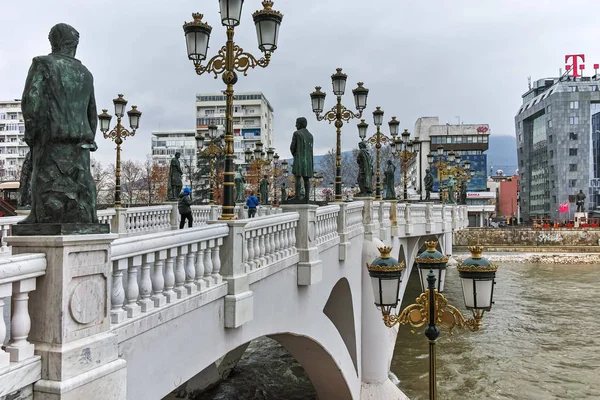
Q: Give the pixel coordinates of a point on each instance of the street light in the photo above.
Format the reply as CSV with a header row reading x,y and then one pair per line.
x,y
339,114
405,150
231,58
477,276
377,140
119,134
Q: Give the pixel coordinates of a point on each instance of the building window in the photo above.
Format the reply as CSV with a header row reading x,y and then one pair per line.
x,y
554,199
552,183
520,137
574,105
13,116
519,124
573,120
552,169
549,109
551,153
549,123
572,167
572,152
572,88
209,112
572,183
573,136
594,88
550,138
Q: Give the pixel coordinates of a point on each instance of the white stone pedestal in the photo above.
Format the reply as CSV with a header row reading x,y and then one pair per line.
x,y
70,313
310,267
579,218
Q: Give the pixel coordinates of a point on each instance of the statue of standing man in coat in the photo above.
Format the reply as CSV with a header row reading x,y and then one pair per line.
x,y
59,109
175,174
302,150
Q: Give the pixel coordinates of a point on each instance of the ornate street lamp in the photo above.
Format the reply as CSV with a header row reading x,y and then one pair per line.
x,y
119,134
339,114
477,277
212,151
432,260
231,58
405,150
377,140
455,166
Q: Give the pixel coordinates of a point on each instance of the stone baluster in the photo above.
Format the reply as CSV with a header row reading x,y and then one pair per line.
x,y
255,240
132,291
277,243
267,244
250,249
5,291
5,233
292,238
117,294
216,260
262,248
180,290
190,269
145,302
200,283
158,279
20,324
169,291
208,265
246,254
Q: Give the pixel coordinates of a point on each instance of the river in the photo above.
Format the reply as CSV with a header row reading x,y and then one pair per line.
x,y
539,342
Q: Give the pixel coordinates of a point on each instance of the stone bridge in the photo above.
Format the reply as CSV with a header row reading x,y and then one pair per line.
x,y
149,309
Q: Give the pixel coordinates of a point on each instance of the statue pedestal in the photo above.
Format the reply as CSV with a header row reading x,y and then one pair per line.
x,y
242,210
59,229
580,217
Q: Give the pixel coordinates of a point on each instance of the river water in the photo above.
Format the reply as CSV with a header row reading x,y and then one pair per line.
x,y
539,342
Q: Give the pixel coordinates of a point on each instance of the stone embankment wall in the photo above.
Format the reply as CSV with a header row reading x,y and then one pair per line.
x,y
542,258
527,237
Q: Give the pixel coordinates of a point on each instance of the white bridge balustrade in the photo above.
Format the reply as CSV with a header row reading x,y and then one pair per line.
x,y
19,367
295,274
163,268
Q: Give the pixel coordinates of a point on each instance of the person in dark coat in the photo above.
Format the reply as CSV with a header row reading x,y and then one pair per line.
x,y
185,209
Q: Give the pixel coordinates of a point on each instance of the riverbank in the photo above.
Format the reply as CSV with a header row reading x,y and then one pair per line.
x,y
536,258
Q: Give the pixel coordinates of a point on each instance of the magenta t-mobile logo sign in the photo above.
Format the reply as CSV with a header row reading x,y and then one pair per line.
x,y
575,64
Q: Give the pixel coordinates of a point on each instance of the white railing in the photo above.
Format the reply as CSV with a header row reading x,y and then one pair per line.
x,y
385,214
268,240
201,215
437,216
6,224
354,215
171,265
148,219
375,210
418,213
326,223
106,216
17,278
401,214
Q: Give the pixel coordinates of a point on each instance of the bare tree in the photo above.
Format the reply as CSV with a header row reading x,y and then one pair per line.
x,y
154,181
131,181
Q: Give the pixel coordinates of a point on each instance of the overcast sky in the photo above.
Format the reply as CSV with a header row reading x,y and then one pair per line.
x,y
460,58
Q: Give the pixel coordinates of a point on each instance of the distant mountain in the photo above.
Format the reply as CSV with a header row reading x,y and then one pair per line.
x,y
502,154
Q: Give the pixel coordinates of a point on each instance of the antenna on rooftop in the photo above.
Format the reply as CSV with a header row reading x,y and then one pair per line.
x,y
529,82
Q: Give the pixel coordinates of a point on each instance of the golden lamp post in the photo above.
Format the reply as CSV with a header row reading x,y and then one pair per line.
x,y
231,58
339,114
377,140
477,276
405,150
262,159
119,134
212,151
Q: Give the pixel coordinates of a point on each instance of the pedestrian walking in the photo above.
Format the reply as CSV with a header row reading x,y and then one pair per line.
x,y
252,202
184,208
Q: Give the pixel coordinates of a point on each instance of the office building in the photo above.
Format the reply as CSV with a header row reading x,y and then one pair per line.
x,y
12,147
252,119
468,140
557,132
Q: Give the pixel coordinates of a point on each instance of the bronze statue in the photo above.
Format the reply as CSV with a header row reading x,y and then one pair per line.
x,y
25,183
580,201
390,187
175,182
463,193
302,150
60,115
428,183
239,186
451,190
365,171
283,192
264,191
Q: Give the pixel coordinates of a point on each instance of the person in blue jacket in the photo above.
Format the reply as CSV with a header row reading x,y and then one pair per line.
x,y
252,202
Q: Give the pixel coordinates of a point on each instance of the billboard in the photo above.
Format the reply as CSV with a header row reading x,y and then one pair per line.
x,y
478,163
